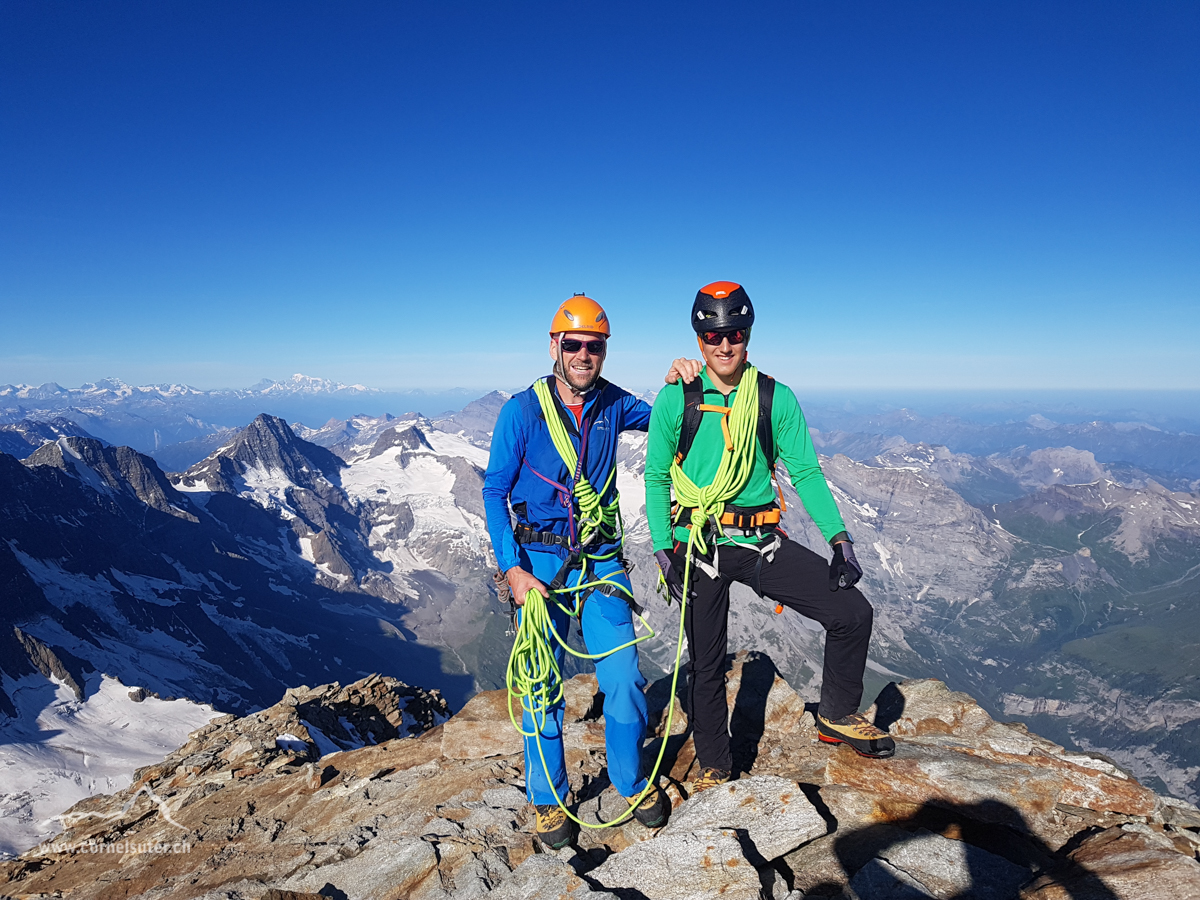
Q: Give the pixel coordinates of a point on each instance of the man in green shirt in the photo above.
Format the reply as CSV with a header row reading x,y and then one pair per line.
x,y
749,547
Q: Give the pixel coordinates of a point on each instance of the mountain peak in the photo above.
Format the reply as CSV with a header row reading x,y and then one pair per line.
x,y
271,454
308,384
112,470
968,807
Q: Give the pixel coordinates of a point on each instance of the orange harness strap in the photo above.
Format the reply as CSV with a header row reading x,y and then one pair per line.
x,y
724,411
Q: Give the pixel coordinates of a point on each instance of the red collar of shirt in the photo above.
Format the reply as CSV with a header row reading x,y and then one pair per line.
x,y
576,411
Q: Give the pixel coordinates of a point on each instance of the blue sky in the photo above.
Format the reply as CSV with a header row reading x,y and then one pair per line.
x,y
925,196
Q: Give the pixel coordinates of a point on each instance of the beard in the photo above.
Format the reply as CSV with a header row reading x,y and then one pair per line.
x,y
562,374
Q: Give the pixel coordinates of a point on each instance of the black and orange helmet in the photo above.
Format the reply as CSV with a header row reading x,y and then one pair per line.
x,y
722,306
580,313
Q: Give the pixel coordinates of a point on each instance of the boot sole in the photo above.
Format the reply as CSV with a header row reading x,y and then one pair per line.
x,y
883,754
657,823
562,842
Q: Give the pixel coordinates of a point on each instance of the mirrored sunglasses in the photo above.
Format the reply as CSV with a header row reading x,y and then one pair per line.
x,y
714,338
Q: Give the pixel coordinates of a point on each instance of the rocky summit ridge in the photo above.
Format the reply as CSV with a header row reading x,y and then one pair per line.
x,y
370,791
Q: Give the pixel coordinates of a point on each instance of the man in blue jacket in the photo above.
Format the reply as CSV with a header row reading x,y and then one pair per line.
x,y
528,474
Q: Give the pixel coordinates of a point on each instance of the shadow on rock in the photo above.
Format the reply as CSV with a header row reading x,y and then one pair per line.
x,y
938,852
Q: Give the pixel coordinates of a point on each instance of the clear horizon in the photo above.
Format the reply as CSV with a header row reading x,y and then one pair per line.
x,y
1176,409
923,198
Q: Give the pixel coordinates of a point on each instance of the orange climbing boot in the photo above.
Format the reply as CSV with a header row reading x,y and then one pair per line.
x,y
861,735
554,829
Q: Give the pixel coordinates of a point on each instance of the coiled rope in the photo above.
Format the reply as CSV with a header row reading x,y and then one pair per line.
x,y
708,503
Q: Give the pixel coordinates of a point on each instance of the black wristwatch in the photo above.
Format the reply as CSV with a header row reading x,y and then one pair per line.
x,y
841,536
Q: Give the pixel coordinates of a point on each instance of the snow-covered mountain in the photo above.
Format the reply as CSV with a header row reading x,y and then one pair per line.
x,y
65,745
21,438
180,424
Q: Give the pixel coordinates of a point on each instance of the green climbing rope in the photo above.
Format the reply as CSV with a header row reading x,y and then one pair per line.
x,y
533,673
534,676
708,503
594,515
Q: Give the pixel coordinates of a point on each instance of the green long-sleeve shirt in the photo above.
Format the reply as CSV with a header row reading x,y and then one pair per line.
x,y
793,444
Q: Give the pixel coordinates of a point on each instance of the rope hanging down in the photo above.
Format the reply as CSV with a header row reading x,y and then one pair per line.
x,y
534,676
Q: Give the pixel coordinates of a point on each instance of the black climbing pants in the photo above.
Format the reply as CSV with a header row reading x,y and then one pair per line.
x,y
798,579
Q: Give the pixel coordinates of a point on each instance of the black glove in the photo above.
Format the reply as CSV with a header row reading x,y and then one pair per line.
x,y
844,570
668,565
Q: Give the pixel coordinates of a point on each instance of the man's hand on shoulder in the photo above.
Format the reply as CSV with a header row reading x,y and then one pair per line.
x,y
687,369
521,583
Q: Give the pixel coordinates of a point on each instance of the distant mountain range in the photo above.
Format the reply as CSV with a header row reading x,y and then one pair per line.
x,y
1057,586
186,424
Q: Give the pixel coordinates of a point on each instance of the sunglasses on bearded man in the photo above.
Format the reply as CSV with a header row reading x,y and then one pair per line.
x,y
568,345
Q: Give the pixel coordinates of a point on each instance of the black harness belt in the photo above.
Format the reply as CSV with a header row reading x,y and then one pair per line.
x,y
526,535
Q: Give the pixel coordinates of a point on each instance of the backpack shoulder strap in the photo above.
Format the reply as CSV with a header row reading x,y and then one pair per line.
x,y
693,396
766,435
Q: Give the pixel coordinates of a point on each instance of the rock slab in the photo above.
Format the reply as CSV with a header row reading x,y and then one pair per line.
x,y
938,867
683,866
772,812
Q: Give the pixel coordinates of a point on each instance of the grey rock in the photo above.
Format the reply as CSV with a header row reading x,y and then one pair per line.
x,y
1122,864
825,865
483,820
544,877
1174,811
772,812
878,880
439,827
386,867
939,867
506,797
46,661
683,866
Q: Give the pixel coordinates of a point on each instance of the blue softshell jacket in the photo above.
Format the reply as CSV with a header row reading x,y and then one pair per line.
x,y
523,461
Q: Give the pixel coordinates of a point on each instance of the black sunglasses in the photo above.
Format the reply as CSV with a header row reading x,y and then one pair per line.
x,y
714,338
570,345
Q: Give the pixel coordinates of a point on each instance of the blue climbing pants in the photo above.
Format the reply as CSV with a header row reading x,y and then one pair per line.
x,y
607,622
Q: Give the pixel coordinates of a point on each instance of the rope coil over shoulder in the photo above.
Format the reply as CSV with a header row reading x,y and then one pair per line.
x,y
708,503
595,517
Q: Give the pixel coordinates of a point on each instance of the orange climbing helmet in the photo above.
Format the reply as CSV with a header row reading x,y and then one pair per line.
x,y
580,313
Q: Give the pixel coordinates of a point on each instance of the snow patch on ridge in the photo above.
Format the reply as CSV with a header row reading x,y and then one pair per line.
x,y
60,750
